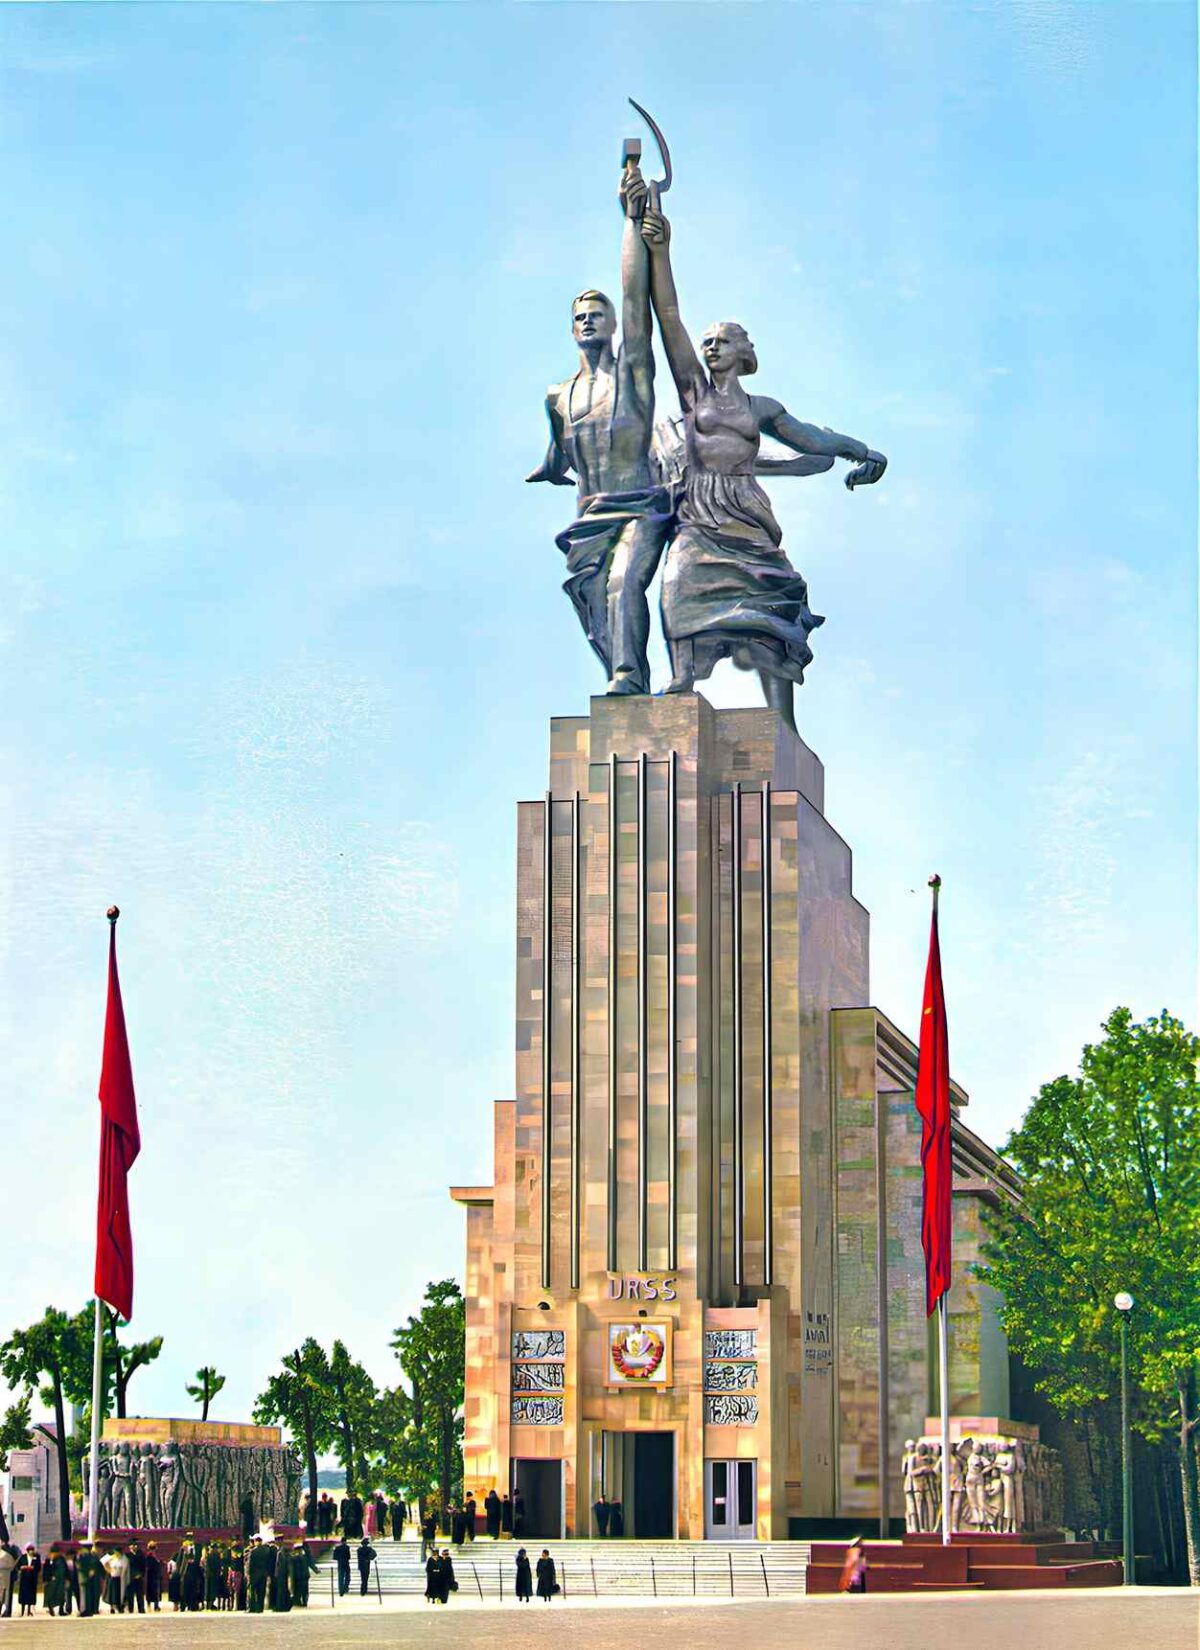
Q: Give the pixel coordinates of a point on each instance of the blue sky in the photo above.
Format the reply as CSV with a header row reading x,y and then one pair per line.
x,y
281,628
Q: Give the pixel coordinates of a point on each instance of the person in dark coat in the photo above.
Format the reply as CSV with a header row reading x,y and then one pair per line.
x,y
191,1581
601,1511
302,1567
399,1517
135,1591
458,1525
235,1579
381,1517
524,1577
352,1517
616,1519
307,1515
29,1572
55,1596
518,1513
91,1580
433,1571
258,1574
281,1582
428,1531
214,1563
506,1515
341,1557
154,1573
491,1514
547,1577
470,1514
365,1556
447,1581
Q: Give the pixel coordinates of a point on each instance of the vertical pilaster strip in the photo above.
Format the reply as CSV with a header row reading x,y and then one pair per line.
x,y
767,1086
643,1027
547,982
576,1023
612,1012
881,1268
672,994
739,1191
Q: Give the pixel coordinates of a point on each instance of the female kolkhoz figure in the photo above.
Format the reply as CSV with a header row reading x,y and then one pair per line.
x,y
728,589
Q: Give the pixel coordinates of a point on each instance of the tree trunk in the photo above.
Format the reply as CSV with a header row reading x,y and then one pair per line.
x,y
310,1450
207,1401
1187,1468
446,1430
64,1467
348,1452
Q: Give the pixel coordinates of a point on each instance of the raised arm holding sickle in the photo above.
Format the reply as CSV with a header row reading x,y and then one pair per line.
x,y
728,589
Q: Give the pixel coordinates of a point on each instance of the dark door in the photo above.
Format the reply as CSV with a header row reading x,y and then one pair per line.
x,y
653,1485
540,1487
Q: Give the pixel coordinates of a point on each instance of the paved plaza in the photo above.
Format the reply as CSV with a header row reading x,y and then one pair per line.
x,y
1158,1619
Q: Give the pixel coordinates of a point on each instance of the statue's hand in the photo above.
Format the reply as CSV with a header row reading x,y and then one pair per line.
x,y
869,471
632,192
656,230
545,473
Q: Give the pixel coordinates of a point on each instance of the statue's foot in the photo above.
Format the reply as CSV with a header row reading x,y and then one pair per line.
x,y
624,686
681,684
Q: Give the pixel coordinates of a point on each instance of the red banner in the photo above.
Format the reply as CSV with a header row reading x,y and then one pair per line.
x,y
933,1104
120,1143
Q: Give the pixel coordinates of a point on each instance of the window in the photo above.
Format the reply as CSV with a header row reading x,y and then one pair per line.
x,y
20,1483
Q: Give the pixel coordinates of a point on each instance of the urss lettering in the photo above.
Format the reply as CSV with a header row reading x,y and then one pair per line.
x,y
641,1286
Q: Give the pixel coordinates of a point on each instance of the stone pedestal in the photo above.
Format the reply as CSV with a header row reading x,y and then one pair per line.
x,y
166,1474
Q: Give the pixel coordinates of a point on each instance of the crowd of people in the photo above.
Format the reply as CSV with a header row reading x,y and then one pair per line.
x,y
218,1575
354,1516
440,1580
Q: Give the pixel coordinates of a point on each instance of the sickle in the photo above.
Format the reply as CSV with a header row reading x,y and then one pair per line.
x,y
664,183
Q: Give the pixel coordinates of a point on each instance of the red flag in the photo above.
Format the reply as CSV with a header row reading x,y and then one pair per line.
x,y
933,1104
120,1143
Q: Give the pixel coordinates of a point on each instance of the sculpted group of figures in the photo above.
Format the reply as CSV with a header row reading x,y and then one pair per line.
x,y
728,588
175,1486
1004,1486
217,1576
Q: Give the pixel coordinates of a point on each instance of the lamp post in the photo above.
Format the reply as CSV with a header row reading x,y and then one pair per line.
x,y
1124,1305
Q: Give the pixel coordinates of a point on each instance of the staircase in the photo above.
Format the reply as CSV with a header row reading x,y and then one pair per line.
x,y
597,1569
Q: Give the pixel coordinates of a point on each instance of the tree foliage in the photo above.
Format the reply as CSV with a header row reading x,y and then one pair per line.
x,y
431,1349
300,1397
54,1358
207,1384
355,1403
1111,1167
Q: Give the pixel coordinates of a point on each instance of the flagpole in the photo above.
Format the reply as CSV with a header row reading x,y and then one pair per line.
x,y
97,1399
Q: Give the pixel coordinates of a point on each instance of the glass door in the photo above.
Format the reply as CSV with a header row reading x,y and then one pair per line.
x,y
729,1500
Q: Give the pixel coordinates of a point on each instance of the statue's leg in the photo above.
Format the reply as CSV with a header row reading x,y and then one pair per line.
x,y
779,692
633,565
683,666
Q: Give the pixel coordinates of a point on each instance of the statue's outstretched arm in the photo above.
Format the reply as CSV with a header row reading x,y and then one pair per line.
x,y
635,282
684,362
554,467
809,438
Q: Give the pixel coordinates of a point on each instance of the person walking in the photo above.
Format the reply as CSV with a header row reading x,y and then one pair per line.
x,y
491,1514
258,1573
854,1570
547,1576
54,1584
153,1577
116,1566
365,1556
447,1581
91,1578
341,1557
428,1532
433,1571
10,1557
29,1570
524,1577
302,1567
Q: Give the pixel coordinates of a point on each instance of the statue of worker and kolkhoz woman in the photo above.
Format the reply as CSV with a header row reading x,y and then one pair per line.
x,y
728,588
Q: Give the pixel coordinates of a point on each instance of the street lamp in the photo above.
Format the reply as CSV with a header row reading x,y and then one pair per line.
x,y
1124,1305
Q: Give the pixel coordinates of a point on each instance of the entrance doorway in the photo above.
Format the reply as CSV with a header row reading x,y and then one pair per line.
x,y
635,1470
540,1486
730,1497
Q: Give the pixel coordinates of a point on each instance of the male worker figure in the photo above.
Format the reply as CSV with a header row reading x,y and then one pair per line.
x,y
601,422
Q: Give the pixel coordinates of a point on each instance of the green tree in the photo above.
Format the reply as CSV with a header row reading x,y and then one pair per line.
x,y
431,1349
15,1433
354,1401
121,1363
1111,1166
208,1384
53,1356
300,1397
